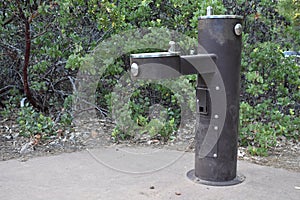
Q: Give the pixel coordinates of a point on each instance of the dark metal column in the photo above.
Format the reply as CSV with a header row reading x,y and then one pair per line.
x,y
220,35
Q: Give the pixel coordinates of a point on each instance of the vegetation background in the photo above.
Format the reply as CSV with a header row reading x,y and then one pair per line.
x,y
44,43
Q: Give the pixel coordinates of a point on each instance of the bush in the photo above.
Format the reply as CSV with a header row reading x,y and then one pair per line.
x,y
270,97
152,109
33,123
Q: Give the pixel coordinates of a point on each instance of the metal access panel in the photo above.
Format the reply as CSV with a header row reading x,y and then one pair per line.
x,y
202,95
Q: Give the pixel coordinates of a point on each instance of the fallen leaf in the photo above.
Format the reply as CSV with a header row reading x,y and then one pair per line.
x,y
94,134
178,193
37,139
60,133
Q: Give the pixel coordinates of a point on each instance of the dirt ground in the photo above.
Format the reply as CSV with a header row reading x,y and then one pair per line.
x,y
97,133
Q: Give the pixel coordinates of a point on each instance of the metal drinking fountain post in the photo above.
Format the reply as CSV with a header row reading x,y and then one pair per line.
x,y
217,94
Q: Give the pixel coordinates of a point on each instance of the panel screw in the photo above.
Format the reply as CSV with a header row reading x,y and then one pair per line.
x,y
134,69
238,29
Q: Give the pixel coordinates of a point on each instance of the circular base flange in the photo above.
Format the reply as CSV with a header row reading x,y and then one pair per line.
x,y
238,179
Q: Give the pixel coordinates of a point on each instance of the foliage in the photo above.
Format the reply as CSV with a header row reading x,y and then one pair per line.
x,y
151,95
271,96
62,32
155,107
10,104
270,82
150,108
32,123
112,80
291,10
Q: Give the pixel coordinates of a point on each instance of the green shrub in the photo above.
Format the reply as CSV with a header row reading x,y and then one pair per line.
x,y
270,97
151,109
32,122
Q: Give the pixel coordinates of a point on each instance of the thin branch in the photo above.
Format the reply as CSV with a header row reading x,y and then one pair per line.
x,y
102,111
60,81
41,33
10,47
73,84
9,20
6,88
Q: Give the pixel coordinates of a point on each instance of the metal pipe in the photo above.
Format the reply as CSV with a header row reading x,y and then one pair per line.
x,y
209,10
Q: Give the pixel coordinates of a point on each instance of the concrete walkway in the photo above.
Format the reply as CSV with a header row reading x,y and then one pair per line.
x,y
117,173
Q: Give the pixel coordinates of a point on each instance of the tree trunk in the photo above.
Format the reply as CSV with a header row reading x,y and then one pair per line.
x,y
26,59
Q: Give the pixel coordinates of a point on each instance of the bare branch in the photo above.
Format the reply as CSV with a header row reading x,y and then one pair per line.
x,y
6,88
73,84
102,111
43,32
10,47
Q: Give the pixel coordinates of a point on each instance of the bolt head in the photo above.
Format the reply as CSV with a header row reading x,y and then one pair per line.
x,y
238,29
134,69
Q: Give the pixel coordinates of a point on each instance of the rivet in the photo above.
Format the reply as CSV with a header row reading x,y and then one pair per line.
x,y
216,128
217,88
215,155
216,116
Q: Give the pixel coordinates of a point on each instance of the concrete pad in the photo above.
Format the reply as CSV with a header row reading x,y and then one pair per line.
x,y
119,173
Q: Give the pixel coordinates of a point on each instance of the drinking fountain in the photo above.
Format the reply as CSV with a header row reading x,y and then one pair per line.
x,y
217,65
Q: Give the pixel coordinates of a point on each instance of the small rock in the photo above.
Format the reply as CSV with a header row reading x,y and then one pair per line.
x,y
23,159
15,135
241,153
72,137
9,137
85,135
152,187
152,142
26,148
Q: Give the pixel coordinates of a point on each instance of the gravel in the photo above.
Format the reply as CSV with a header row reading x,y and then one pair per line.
x,y
96,133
